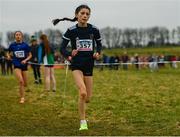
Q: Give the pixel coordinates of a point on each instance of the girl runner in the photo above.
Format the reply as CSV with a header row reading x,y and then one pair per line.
x,y
20,52
83,37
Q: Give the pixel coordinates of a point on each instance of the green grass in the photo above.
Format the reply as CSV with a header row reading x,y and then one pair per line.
x,y
123,103
169,50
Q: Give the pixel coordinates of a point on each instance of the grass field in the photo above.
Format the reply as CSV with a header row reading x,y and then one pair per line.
x,y
169,50
124,103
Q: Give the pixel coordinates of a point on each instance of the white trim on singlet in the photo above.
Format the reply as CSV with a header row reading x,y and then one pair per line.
x,y
73,27
65,38
99,39
94,27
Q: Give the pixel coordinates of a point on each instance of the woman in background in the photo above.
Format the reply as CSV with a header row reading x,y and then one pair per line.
x,y
46,56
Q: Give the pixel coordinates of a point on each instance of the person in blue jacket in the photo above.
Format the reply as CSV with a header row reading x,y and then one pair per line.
x,y
20,53
86,46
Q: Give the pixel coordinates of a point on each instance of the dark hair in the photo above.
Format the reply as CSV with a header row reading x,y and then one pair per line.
x,y
17,32
33,38
45,41
56,21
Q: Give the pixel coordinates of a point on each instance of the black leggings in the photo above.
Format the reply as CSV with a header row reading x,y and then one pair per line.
x,y
36,71
9,67
3,68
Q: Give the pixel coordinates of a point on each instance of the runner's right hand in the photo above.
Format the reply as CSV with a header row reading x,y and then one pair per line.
x,y
74,52
69,58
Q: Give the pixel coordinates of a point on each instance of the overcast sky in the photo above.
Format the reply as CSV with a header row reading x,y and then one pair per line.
x,y
33,15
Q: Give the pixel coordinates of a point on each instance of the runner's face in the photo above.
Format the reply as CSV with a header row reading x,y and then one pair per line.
x,y
18,36
83,16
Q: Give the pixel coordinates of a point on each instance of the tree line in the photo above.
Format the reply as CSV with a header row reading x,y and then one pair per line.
x,y
116,37
142,37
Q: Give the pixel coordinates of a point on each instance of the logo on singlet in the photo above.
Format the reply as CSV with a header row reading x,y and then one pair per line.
x,y
19,54
84,44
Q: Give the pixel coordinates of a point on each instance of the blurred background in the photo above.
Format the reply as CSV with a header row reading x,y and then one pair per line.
x,y
123,23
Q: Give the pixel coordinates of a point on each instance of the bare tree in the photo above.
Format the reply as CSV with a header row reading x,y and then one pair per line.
x,y
106,34
127,38
1,36
26,37
10,37
55,37
178,34
116,37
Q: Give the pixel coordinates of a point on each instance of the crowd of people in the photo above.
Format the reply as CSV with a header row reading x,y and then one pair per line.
x,y
126,61
5,64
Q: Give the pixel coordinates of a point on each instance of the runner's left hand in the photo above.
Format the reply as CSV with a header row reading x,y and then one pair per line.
x,y
96,56
24,62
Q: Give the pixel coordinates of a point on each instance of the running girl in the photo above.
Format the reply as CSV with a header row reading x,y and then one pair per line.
x,y
20,52
83,37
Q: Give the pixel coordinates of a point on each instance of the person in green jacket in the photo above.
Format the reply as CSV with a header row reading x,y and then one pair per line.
x,y
46,56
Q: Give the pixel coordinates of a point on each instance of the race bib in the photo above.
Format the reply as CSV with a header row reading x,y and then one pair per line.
x,y
19,54
84,45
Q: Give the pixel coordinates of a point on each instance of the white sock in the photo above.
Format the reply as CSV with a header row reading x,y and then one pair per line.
x,y
83,121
